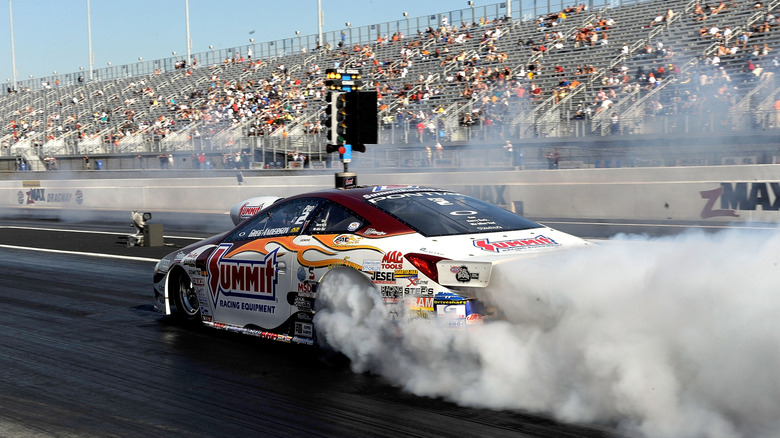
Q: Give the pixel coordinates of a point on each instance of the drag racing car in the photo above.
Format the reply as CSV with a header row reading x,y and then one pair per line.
x,y
424,251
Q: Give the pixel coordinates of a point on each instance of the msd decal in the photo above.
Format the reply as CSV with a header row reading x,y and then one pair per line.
x,y
234,277
513,245
737,197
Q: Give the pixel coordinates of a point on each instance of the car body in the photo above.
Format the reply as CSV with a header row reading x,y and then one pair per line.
x,y
424,250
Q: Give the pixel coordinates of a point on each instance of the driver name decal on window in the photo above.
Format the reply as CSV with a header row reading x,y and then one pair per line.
x,y
269,232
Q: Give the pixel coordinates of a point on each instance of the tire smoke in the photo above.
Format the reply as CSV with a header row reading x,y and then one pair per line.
x,y
671,337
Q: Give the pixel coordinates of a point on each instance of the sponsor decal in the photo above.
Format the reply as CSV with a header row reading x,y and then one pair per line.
x,y
418,291
474,317
305,288
372,265
382,277
353,226
303,329
242,305
301,274
390,294
297,340
373,232
396,188
248,210
303,304
393,260
455,315
346,240
740,196
514,244
400,194
305,273
429,251
236,277
423,302
405,273
463,275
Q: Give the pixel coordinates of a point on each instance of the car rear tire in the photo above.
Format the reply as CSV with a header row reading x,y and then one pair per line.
x,y
185,298
347,306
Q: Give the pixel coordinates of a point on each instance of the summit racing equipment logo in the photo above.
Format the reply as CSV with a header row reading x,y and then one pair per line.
x,y
235,277
737,197
514,244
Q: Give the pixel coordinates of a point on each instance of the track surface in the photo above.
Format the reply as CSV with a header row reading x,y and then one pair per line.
x,y
84,354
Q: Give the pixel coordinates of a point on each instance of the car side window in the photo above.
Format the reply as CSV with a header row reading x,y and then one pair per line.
x,y
335,219
280,220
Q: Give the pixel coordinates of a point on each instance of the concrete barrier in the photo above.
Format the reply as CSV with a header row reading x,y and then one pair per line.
x,y
718,193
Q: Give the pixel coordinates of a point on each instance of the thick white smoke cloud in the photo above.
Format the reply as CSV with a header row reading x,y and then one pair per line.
x,y
674,337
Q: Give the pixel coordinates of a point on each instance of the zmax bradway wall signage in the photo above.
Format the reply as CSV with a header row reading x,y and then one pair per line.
x,y
34,194
734,197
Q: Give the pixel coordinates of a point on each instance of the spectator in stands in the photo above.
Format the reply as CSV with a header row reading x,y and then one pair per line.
x,y
698,13
714,32
657,20
743,39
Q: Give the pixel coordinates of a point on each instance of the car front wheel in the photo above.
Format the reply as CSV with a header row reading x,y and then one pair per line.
x,y
186,300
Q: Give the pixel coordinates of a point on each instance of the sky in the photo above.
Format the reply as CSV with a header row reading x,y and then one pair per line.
x,y
52,35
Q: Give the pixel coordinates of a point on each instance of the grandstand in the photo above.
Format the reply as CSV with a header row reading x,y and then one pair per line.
x,y
581,75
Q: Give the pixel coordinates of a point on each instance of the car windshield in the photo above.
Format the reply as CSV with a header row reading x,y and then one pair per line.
x,y
446,213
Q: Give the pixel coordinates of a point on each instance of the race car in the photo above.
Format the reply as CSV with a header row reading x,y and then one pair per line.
x,y
424,251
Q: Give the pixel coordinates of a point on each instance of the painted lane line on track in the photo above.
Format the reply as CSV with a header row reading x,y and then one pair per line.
x,y
12,227
88,254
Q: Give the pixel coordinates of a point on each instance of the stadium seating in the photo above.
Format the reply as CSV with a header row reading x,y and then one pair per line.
x,y
570,73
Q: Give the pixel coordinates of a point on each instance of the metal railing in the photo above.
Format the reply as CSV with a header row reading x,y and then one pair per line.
x,y
273,50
